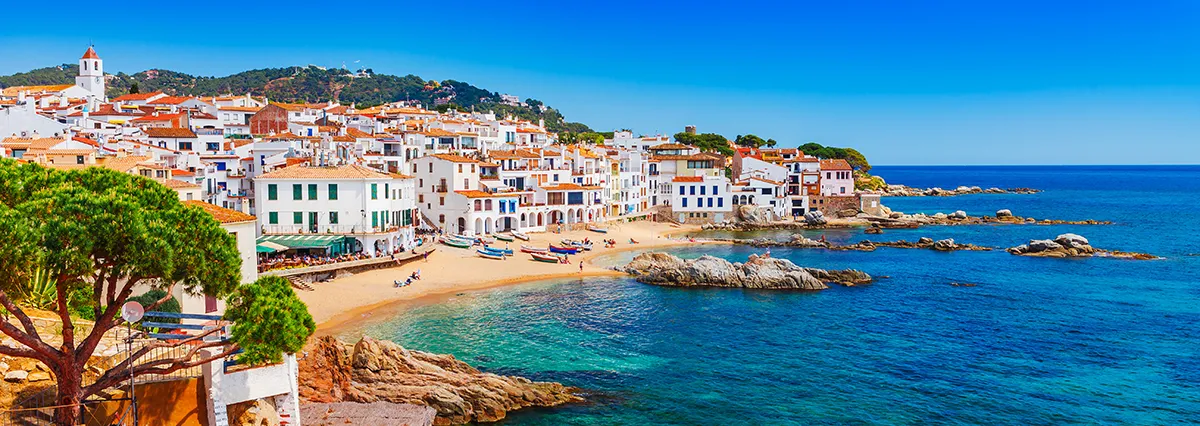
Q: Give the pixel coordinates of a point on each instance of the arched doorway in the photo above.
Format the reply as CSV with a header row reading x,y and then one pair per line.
x,y
524,224
540,217
478,226
462,225
489,226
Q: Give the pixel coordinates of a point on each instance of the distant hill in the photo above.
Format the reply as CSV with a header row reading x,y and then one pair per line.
x,y
311,84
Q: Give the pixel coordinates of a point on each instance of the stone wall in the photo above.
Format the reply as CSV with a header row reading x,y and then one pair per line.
x,y
832,204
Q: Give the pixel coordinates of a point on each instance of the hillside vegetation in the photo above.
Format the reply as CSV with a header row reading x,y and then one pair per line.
x,y
311,84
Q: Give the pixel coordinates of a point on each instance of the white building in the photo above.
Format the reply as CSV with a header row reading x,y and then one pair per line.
x,y
372,208
837,178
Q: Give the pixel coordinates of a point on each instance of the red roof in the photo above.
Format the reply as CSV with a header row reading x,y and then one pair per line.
x,y
837,164
90,54
688,179
137,96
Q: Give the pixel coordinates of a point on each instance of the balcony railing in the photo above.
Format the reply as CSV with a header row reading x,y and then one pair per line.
x,y
209,132
441,188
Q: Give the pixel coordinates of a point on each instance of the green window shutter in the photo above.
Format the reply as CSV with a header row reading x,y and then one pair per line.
x,y
298,218
374,219
386,190
374,191
297,190
333,218
272,192
333,191
312,191
273,217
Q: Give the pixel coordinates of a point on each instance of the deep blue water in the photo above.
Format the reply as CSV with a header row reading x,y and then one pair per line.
x,y
1036,341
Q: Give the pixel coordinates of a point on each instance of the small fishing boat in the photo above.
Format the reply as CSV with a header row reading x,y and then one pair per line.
x,y
520,235
548,258
528,249
505,238
454,242
597,229
564,250
489,255
506,252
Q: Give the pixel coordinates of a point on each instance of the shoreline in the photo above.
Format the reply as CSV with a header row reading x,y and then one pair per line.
x,y
338,305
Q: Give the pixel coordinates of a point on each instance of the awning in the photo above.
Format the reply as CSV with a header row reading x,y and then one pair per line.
x,y
289,242
269,247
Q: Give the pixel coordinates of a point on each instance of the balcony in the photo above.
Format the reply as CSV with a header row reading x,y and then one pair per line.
x,y
441,188
209,132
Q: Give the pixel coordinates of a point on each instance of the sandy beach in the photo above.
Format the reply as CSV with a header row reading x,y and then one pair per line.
x,y
449,270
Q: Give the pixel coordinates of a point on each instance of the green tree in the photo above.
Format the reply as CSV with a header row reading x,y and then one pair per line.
x,y
707,142
750,141
133,88
771,143
857,160
268,320
103,233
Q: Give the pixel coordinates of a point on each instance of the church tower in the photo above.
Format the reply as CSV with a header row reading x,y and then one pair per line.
x,y
91,74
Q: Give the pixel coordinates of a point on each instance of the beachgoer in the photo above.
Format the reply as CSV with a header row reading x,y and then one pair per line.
x,y
581,266
426,255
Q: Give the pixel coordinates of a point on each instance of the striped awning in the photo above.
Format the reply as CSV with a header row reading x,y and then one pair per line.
x,y
301,241
269,247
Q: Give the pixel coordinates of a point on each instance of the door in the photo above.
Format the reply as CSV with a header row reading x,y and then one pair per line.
x,y
312,222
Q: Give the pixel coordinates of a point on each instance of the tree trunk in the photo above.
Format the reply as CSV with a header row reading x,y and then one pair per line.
x,y
70,391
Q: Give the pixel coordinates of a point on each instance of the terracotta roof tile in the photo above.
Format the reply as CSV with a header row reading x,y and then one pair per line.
x,y
223,215
352,171
169,132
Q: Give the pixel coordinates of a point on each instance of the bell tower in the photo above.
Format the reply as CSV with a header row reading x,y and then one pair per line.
x,y
91,73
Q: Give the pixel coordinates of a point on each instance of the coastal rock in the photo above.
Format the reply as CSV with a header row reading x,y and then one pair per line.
x,y
375,371
873,230
1004,213
815,218
939,215
1072,245
907,191
945,245
958,215
925,240
258,412
758,272
375,413
755,215
847,213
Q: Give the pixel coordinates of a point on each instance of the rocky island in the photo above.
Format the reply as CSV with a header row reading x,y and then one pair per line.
x,y
759,272
378,376
1072,246
800,241
908,191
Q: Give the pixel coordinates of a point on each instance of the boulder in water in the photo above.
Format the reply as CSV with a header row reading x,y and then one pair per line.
x,y
1004,213
758,272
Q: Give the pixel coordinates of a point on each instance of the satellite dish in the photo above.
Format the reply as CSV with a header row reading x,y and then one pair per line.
x,y
132,312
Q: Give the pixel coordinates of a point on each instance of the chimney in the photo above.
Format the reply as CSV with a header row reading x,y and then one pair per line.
x,y
62,101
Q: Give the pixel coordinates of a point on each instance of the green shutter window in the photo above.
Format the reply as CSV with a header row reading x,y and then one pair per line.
x,y
298,218
333,218
374,219
297,190
312,191
273,217
374,191
272,192
386,190
333,191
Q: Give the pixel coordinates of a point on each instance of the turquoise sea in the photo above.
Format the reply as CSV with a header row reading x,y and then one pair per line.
x,y
1036,341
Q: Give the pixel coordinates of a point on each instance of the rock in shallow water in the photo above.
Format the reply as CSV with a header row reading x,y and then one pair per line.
x,y
758,272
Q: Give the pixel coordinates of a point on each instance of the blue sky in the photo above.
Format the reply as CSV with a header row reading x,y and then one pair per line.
x,y
921,82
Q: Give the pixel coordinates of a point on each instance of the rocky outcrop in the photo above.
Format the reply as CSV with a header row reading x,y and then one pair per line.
x,y
382,371
800,241
757,272
907,191
1004,216
755,215
815,218
1071,246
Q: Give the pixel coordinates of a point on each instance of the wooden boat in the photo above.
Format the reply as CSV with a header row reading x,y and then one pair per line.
x,y
506,252
597,229
548,258
520,235
564,250
453,242
489,255
528,249
505,238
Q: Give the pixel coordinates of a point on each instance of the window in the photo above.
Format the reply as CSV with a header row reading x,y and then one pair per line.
x,y
78,159
843,190
333,191
766,191
312,191
460,168
441,218
710,202
386,189
466,183
185,146
213,146
420,198
441,201
272,192
702,190
333,219
693,189
684,202
714,190
720,202
298,218
374,191
430,167
420,183
273,218
374,219
487,204
296,191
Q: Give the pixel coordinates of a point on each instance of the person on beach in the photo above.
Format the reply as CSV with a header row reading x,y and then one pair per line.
x,y
426,255
581,266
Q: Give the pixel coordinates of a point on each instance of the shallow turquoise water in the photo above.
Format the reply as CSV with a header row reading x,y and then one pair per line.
x,y
1037,341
